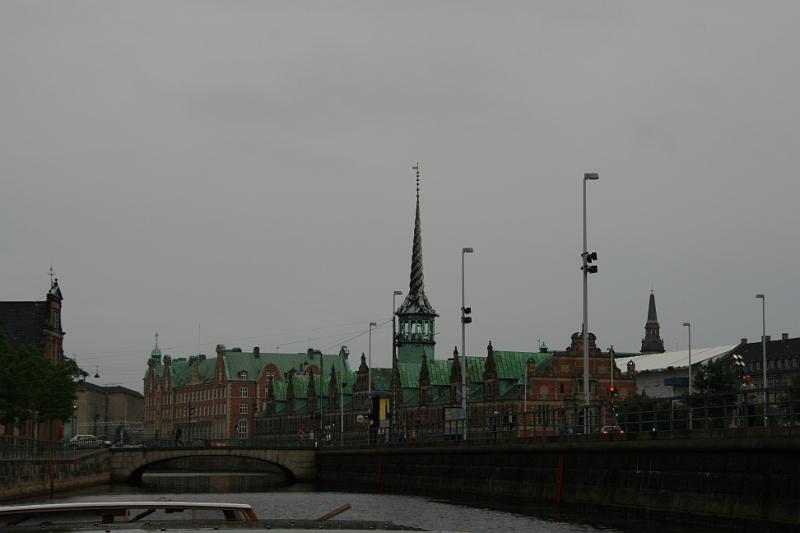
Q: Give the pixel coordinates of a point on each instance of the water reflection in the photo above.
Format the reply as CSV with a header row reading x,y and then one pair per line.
x,y
221,482
269,495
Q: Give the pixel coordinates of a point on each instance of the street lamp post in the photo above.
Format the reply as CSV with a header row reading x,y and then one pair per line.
x,y
309,354
341,409
689,390
395,369
369,370
586,259
764,349
464,321
611,356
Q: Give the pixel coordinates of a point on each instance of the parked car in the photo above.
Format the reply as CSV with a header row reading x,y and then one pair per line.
x,y
88,441
612,430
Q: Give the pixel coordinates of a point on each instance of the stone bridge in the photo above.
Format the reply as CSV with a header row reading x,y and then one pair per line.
x,y
128,464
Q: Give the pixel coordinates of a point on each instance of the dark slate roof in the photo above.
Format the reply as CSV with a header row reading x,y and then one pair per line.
x,y
110,389
776,349
652,316
23,322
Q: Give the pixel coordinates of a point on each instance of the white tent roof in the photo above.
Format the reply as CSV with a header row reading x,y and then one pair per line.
x,y
660,361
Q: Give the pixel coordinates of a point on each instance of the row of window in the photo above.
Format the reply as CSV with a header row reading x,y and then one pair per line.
x,y
774,364
201,410
207,394
204,410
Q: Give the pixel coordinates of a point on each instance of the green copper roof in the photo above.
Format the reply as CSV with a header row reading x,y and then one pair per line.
x,y
512,365
236,362
439,371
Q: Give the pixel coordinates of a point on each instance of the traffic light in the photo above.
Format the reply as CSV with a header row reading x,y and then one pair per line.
x,y
612,392
588,257
464,312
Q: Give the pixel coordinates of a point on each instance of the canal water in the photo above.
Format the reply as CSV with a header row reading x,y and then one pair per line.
x,y
272,498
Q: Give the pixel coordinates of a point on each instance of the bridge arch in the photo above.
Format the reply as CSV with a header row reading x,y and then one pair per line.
x,y
128,465
135,477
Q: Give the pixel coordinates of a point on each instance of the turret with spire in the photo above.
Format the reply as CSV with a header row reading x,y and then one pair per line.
x,y
155,355
416,315
652,342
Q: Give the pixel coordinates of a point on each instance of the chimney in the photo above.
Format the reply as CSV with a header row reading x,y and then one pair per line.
x,y
766,337
784,336
256,352
744,340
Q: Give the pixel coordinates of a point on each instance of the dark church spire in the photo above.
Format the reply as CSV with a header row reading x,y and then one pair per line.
x,y
652,342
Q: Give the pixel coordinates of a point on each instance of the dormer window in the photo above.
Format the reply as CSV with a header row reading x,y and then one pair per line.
x,y
243,374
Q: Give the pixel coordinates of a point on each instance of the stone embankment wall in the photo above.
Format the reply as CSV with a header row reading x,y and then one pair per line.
x,y
701,480
31,477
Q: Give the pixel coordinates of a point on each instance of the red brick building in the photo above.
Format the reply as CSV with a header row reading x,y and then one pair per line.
x,y
216,398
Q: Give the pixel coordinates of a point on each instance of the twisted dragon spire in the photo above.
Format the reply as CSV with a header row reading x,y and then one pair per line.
x,y
416,301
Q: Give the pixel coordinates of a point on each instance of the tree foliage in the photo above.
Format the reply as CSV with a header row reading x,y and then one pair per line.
x,y
30,384
714,377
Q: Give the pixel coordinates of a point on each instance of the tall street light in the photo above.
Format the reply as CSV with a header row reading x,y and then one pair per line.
x,y
395,369
764,349
611,356
464,321
369,370
689,391
586,259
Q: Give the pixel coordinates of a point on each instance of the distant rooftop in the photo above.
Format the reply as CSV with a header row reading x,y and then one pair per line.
x,y
661,361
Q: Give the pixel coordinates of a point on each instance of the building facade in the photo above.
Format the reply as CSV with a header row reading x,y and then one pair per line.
x,y
114,412
524,393
202,399
36,325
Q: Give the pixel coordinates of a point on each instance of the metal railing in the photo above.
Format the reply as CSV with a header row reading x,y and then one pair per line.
x,y
18,448
491,423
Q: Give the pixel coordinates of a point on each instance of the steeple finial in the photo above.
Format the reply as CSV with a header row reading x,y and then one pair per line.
x,y
416,168
156,336
52,273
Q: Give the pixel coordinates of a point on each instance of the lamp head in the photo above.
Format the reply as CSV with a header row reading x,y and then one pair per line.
x,y
398,293
687,324
372,324
760,296
467,251
591,176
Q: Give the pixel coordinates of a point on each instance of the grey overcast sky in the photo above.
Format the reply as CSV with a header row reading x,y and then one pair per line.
x,y
245,167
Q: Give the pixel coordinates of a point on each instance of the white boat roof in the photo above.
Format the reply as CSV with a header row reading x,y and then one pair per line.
x,y
73,506
661,361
